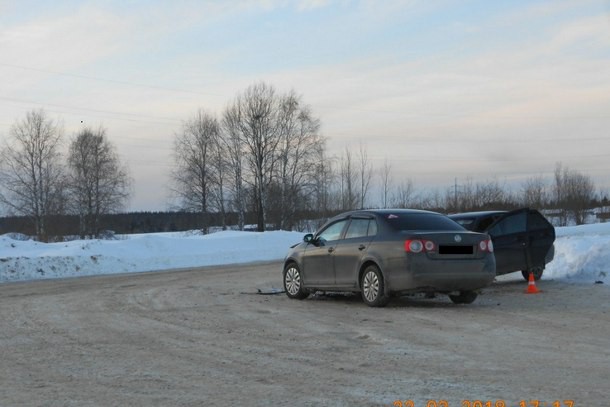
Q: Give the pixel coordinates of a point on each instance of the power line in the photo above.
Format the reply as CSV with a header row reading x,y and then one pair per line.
x,y
490,159
88,109
93,78
322,105
435,141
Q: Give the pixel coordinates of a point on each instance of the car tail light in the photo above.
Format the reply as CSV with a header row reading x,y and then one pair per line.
x,y
486,246
418,246
414,246
429,245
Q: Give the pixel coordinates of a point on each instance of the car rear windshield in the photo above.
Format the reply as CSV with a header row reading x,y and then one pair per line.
x,y
421,221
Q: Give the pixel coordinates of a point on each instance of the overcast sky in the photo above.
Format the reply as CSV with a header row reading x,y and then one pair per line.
x,y
442,89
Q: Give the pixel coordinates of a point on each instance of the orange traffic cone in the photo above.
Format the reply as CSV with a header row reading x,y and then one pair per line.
x,y
531,285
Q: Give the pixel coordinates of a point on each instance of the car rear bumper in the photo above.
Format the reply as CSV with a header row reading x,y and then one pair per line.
x,y
423,275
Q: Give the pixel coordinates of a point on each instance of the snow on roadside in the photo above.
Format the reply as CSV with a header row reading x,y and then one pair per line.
x,y
29,260
582,253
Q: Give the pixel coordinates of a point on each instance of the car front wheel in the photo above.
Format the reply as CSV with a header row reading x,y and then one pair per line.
x,y
372,286
292,282
465,297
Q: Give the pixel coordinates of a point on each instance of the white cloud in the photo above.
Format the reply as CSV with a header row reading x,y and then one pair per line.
x,y
65,42
305,5
590,33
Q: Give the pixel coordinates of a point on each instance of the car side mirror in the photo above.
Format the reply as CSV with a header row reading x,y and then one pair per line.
x,y
308,238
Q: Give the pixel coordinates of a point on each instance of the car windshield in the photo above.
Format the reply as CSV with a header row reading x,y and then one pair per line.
x,y
421,221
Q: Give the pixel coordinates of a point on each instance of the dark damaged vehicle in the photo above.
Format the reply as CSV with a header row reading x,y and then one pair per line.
x,y
382,253
523,239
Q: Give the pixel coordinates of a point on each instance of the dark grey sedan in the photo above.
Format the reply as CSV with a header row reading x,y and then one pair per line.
x,y
381,253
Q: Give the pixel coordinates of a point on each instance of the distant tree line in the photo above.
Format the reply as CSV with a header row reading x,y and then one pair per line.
x,y
262,162
116,223
264,156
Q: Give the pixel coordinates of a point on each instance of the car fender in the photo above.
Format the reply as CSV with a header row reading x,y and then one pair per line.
x,y
372,257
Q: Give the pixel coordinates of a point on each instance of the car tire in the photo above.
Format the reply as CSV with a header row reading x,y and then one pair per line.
x,y
537,273
465,297
373,288
292,282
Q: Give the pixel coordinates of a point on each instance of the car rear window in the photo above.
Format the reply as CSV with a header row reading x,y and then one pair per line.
x,y
422,221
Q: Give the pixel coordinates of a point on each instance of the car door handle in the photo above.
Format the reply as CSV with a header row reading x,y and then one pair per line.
x,y
361,247
331,249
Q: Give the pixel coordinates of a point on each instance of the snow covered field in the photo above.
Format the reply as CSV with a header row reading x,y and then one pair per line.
x,y
28,260
582,253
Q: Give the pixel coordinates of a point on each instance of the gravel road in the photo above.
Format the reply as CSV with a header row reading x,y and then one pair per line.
x,y
204,337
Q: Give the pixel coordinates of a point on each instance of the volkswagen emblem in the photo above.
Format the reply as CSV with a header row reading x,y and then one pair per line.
x,y
457,238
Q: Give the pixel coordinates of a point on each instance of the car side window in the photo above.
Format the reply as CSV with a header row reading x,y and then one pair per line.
x,y
537,222
372,228
357,228
512,224
332,232
485,223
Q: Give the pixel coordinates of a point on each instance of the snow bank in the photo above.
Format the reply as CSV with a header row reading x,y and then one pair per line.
x,y
28,260
595,229
582,253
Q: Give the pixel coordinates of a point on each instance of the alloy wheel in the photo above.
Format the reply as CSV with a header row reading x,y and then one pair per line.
x,y
370,286
293,281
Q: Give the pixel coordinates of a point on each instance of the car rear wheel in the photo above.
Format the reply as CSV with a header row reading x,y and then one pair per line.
x,y
465,297
292,282
372,286
537,273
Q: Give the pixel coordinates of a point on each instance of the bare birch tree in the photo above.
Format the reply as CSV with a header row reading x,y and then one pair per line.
x,y
434,200
385,175
490,195
348,181
232,147
195,159
366,174
276,136
221,165
404,195
534,192
259,128
31,173
559,193
323,179
300,141
574,193
99,183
